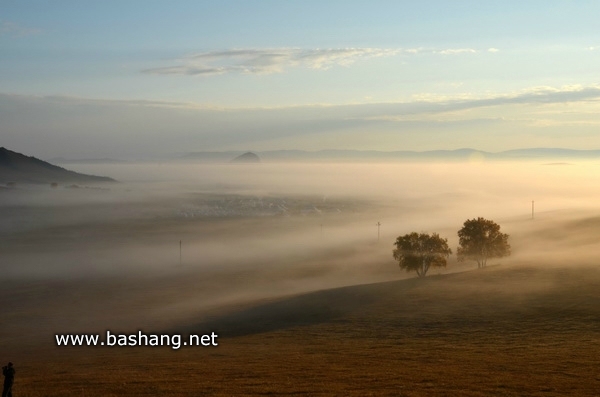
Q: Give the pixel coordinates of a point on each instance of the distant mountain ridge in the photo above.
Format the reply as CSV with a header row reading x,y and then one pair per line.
x,y
19,168
248,158
375,155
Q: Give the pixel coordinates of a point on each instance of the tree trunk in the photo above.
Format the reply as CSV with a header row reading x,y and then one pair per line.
x,y
423,270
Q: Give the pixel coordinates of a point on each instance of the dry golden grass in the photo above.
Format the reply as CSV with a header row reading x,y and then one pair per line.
x,y
501,331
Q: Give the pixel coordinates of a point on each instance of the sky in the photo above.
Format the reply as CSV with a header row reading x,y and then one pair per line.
x,y
124,79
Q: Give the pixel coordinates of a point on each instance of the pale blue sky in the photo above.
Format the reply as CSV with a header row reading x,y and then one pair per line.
x,y
83,79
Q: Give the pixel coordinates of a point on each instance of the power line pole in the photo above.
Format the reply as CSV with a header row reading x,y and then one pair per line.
x,y
532,209
378,226
180,263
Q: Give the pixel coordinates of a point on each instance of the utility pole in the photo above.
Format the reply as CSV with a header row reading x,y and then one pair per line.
x,y
532,209
180,253
378,226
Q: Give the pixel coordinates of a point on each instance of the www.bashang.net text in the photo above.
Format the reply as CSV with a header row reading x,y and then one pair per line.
x,y
137,339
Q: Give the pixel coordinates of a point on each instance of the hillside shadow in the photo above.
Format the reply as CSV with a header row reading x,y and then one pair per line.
x,y
301,310
480,299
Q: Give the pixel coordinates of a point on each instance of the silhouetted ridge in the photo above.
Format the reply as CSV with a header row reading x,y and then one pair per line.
x,y
17,167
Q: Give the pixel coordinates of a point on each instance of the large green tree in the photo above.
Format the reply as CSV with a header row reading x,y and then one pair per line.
x,y
420,251
480,239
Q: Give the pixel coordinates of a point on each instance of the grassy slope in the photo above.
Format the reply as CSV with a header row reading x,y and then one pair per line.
x,y
506,331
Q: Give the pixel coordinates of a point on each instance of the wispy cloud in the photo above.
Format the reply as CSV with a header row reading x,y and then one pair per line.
x,y
492,49
267,61
277,60
447,120
454,51
534,95
423,104
13,29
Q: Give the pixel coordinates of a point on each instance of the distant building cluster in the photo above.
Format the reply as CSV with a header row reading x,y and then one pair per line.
x,y
248,206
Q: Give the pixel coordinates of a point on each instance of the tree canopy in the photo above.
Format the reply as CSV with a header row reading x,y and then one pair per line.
x,y
418,252
480,239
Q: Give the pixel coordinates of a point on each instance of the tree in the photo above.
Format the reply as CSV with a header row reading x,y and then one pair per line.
x,y
480,239
419,252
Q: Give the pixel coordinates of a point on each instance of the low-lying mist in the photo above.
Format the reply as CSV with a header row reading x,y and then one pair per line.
x,y
199,236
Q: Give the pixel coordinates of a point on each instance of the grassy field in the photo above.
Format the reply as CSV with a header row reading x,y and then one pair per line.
x,y
504,331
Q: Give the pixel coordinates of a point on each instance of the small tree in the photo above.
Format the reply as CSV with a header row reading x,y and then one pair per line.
x,y
480,239
418,252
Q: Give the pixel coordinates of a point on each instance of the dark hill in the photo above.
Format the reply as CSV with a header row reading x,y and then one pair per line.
x,y
16,167
247,157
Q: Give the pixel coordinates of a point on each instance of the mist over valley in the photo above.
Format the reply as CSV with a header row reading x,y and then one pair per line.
x,y
273,248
